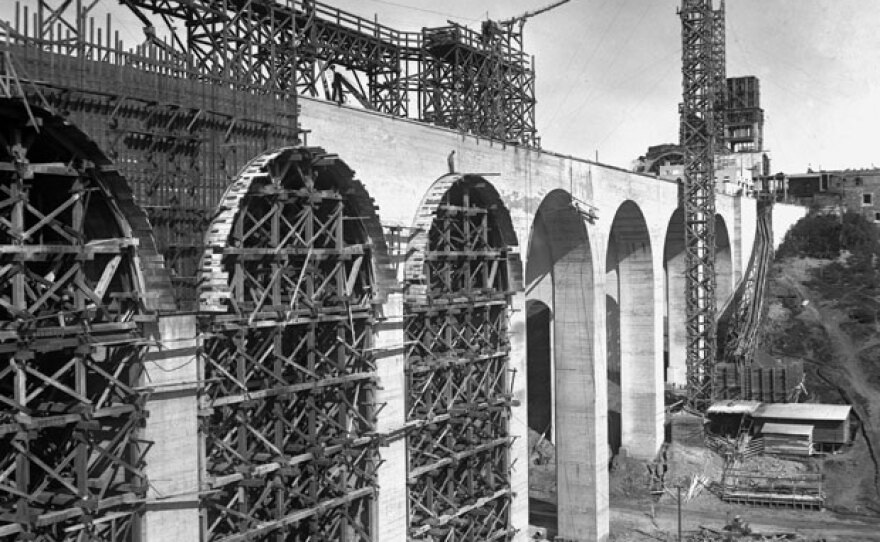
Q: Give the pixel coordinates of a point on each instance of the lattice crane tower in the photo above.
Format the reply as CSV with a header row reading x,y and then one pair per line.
x,y
701,133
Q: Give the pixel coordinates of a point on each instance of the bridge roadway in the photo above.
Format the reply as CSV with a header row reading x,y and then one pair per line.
x,y
595,254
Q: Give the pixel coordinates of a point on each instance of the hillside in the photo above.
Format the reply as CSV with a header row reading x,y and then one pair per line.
x,y
823,304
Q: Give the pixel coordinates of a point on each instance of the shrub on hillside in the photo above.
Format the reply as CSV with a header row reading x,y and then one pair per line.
x,y
859,236
825,235
815,235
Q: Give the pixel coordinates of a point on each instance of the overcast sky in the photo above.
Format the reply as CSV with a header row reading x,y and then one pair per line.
x,y
609,71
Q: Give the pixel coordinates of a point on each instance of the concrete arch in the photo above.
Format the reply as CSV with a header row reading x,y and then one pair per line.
x,y
560,273
461,278
484,195
69,144
635,368
79,271
293,230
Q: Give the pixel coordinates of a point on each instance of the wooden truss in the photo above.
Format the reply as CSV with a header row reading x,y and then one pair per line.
x,y
479,84
248,61
71,343
458,378
288,411
482,83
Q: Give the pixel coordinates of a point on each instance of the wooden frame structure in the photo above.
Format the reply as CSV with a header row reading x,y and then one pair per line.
x,y
284,269
288,406
703,85
179,158
73,254
795,491
459,384
480,83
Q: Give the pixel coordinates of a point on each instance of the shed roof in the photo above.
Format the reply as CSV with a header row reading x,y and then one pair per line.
x,y
803,411
733,407
793,429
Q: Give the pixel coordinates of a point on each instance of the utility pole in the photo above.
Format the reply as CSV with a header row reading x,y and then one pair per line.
x,y
702,39
679,512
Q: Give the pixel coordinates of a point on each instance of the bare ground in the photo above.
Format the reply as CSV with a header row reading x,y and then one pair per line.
x,y
843,365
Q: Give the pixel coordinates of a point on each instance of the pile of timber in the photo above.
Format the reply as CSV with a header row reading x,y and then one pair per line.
x,y
788,439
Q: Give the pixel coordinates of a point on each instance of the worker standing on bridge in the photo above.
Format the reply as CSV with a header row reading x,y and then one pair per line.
x,y
336,85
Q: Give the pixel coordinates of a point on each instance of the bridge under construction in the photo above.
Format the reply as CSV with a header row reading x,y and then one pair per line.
x,y
246,292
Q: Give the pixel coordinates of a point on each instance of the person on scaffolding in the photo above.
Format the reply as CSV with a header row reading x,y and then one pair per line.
x,y
336,86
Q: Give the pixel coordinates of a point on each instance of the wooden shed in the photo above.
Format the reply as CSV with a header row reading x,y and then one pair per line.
x,y
726,417
830,423
787,438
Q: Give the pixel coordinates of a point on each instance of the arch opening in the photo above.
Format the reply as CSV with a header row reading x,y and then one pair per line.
x,y
675,368
458,292
289,285
635,377
72,296
560,276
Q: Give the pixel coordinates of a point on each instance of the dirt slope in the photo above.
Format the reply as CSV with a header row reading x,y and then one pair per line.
x,y
810,320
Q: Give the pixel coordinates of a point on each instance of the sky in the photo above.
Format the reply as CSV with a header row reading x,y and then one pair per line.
x,y
609,80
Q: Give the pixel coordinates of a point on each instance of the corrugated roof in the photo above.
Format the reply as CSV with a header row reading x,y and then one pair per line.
x,y
733,407
803,411
793,429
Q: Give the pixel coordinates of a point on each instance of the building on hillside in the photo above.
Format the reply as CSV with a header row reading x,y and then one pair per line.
x,y
837,191
734,172
793,428
665,160
830,424
740,170
743,117
740,159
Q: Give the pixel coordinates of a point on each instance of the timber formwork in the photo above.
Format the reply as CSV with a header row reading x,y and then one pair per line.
x,y
458,380
76,260
698,138
780,383
180,147
480,83
795,491
288,407
287,378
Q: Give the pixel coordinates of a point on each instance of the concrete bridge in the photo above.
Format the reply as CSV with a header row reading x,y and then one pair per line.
x,y
524,289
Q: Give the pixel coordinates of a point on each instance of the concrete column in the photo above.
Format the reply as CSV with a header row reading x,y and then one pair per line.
x,y
676,307
391,501
519,451
539,289
174,459
641,400
581,406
